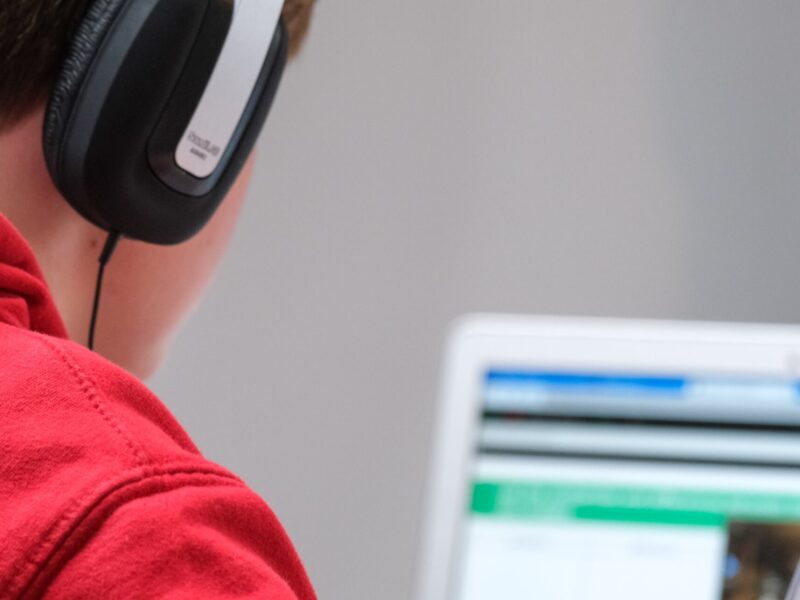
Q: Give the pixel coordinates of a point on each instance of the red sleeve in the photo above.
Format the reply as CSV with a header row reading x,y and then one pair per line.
x,y
193,541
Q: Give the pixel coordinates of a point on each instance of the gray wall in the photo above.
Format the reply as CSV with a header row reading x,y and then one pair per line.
x,y
624,158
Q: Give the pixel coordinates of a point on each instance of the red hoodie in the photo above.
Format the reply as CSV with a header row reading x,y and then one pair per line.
x,y
102,493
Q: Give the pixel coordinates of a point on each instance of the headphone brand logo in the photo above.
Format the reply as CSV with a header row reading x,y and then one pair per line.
x,y
203,144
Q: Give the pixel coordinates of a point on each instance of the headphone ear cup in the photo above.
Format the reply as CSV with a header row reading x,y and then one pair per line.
x,y
133,80
90,34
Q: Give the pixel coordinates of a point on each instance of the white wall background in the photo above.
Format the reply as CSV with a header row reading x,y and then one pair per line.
x,y
629,158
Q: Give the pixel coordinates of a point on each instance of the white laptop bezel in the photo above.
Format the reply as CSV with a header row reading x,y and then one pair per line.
x,y
480,342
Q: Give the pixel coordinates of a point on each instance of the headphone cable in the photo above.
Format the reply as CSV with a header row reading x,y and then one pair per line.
x,y
105,256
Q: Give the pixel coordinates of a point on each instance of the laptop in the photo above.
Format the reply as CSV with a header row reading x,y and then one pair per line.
x,y
615,460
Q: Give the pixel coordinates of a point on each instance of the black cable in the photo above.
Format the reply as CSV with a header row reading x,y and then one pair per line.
x,y
105,256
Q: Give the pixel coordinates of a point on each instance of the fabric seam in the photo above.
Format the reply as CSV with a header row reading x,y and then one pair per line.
x,y
90,391
80,510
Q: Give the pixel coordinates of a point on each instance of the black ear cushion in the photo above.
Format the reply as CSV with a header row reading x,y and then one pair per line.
x,y
87,39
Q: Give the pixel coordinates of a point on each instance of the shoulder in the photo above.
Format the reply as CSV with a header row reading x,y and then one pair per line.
x,y
88,451
62,393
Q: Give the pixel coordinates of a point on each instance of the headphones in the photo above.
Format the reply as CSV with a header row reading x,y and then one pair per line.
x,y
156,108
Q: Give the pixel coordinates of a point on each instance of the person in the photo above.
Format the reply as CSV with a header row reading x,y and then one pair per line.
x,y
102,493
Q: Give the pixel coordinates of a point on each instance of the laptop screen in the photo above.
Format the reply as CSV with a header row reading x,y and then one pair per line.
x,y
622,486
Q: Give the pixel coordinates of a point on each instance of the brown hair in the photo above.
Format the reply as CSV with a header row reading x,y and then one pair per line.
x,y
34,35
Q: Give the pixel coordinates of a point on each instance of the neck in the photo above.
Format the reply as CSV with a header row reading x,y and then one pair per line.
x,y
65,244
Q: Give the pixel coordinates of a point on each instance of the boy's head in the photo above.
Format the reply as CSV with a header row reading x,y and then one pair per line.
x,y
148,288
